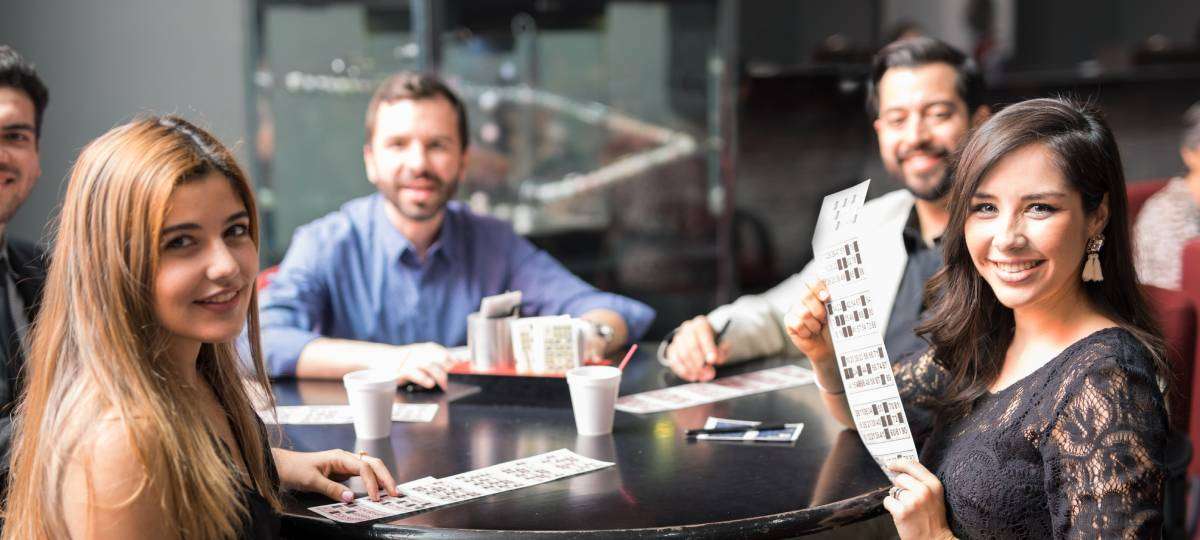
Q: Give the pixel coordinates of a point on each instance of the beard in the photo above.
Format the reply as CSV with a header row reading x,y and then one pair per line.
x,y
426,208
929,186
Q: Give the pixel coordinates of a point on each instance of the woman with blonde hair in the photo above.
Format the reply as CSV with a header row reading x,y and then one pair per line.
x,y
136,422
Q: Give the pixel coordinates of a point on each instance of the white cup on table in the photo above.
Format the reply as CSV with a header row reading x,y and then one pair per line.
x,y
371,393
594,397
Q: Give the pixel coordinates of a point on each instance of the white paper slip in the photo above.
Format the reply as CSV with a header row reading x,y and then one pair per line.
x,y
692,394
563,463
429,492
364,509
354,512
341,414
790,433
414,412
844,255
441,490
491,480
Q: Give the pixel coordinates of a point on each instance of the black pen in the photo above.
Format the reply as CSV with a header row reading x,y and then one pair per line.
x,y
739,429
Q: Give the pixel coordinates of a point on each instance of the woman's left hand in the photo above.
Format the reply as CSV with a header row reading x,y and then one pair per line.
x,y
320,472
917,503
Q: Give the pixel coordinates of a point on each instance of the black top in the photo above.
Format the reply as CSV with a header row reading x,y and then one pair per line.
x,y
908,310
1075,449
27,266
262,523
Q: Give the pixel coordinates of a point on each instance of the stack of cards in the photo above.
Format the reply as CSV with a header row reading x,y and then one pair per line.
x,y
341,414
688,395
430,492
790,433
545,344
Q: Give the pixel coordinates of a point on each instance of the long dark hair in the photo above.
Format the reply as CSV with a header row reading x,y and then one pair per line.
x,y
968,328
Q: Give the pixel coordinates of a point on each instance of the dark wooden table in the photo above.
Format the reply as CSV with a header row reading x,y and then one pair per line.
x,y
663,486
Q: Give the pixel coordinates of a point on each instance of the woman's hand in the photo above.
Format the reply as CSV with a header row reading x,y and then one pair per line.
x,y
806,325
917,502
320,472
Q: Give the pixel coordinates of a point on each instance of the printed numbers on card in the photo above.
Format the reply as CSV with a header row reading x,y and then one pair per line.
x,y
852,315
881,421
844,263
865,369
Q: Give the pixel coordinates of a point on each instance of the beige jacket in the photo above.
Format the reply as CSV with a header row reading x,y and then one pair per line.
x,y
757,328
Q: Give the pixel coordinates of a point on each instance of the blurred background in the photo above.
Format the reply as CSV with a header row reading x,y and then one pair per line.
x,y
672,151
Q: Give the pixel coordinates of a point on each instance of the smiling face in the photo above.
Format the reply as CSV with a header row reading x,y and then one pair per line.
x,y
208,263
922,119
1027,230
19,165
415,157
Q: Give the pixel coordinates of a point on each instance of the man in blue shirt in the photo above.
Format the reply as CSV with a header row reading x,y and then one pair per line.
x,y
390,278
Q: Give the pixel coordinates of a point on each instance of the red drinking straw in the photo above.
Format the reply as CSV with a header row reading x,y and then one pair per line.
x,y
628,355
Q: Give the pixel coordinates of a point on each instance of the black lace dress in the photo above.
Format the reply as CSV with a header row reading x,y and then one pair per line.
x,y
1074,450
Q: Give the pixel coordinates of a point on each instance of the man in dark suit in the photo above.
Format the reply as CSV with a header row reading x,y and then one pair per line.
x,y
23,99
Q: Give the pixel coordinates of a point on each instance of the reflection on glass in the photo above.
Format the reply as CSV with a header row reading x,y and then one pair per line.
x,y
598,159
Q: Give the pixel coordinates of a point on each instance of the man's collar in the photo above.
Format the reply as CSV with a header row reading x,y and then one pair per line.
x,y
913,240
395,244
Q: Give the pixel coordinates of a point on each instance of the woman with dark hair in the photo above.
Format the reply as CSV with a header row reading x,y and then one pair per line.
x,y
1038,406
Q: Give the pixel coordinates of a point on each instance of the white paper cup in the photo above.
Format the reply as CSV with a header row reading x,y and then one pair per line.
x,y
371,393
593,397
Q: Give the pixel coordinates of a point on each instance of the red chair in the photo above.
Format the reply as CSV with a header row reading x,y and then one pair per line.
x,y
1177,319
264,277
1190,286
1138,192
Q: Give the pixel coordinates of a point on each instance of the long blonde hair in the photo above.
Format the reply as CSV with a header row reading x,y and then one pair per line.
x,y
97,348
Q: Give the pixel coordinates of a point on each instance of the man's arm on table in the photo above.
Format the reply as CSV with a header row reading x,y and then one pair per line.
x,y
292,309
753,327
329,358
548,288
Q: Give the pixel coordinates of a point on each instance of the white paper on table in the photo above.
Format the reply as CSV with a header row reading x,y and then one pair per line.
x,y
429,492
564,463
341,414
845,254
441,490
364,509
692,394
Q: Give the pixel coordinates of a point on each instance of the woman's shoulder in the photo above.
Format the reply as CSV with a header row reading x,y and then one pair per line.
x,y
108,446
115,493
1110,365
1108,348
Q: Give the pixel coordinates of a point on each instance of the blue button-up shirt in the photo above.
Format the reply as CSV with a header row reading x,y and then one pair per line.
x,y
353,275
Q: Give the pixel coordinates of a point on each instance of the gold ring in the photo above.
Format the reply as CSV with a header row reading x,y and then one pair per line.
x,y
362,455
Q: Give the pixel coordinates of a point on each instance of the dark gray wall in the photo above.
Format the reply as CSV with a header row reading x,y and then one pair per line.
x,y
105,62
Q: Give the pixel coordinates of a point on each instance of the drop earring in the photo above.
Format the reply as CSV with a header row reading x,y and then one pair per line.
x,y
1091,268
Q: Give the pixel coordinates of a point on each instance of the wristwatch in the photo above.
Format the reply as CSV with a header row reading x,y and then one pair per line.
x,y
605,332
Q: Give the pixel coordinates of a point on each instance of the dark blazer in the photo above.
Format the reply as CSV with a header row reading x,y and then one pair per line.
x,y
28,263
